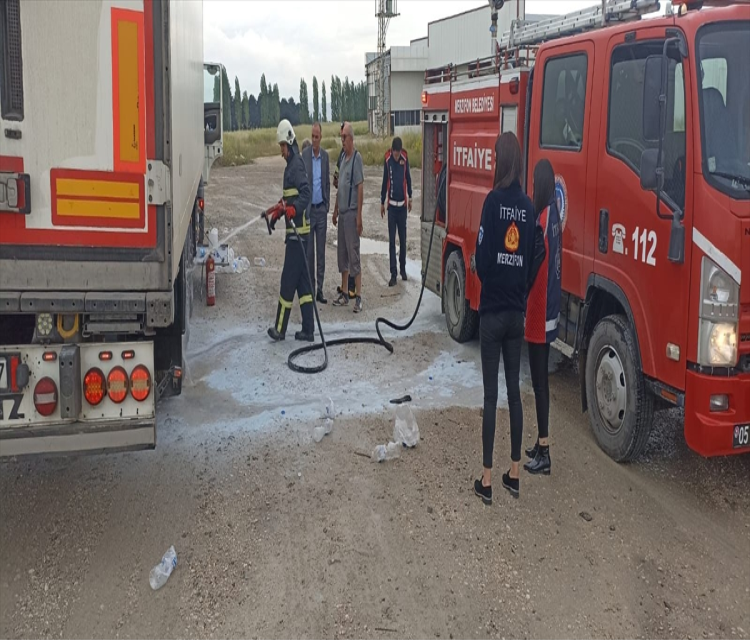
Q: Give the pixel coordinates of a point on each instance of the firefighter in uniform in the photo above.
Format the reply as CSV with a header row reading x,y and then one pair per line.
x,y
296,197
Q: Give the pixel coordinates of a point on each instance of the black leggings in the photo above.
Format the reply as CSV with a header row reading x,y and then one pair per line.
x,y
539,365
501,332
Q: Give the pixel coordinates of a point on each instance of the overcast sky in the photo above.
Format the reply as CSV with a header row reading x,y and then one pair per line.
x,y
291,39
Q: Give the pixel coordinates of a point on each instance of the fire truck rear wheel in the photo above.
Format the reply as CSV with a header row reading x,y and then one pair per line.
x,y
620,405
461,319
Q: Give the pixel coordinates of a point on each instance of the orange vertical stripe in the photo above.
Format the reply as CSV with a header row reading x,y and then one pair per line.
x,y
128,91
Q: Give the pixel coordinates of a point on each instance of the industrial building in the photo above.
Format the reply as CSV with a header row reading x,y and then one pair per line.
x,y
459,38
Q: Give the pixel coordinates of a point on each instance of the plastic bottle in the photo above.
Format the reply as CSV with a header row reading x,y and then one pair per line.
x,y
260,262
161,572
405,430
319,433
383,452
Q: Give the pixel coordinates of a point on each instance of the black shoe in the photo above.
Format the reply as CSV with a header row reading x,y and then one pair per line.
x,y
304,337
531,453
511,484
403,275
485,493
392,282
541,462
321,298
275,335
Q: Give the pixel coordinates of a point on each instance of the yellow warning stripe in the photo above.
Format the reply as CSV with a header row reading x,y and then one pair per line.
x,y
97,189
129,100
305,299
288,193
98,209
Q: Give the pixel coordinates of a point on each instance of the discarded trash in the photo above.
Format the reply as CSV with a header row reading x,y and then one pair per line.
x,y
213,238
330,411
260,262
161,572
329,426
586,516
388,451
319,433
236,265
401,400
405,430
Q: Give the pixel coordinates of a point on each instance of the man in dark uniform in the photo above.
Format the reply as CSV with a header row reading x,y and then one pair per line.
x,y
395,193
296,197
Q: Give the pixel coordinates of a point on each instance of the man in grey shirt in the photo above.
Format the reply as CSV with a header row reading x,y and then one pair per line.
x,y
349,201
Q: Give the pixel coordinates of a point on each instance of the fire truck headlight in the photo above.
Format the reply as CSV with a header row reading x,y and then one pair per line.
x,y
718,286
718,344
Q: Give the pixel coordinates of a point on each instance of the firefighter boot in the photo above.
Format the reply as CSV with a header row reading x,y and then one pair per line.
x,y
278,331
308,321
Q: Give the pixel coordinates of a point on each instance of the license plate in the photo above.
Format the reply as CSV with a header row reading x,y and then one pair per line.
x,y
741,436
3,373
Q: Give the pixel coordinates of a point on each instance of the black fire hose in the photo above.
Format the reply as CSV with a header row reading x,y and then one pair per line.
x,y
380,340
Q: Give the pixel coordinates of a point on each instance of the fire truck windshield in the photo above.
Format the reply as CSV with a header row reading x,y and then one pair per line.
x,y
723,52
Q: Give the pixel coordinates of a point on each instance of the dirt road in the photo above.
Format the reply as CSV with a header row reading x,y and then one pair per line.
x,y
278,536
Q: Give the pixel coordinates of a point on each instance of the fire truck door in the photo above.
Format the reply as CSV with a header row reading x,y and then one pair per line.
x,y
631,242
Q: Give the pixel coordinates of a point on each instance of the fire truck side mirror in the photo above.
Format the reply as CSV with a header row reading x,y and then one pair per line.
x,y
652,90
649,170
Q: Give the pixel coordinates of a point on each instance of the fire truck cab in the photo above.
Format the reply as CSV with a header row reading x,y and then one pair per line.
x,y
647,126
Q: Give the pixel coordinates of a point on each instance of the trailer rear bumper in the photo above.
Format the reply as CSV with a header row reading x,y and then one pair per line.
x,y
716,433
79,437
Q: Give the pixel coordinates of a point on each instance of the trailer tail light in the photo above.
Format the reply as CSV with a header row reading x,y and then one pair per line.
x,y
105,356
117,385
128,355
140,383
200,204
514,86
49,356
424,97
45,397
93,386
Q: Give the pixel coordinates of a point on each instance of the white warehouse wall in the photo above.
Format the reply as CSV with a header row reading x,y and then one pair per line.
x,y
406,90
466,36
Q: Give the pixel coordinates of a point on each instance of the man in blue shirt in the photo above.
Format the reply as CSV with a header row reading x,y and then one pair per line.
x,y
318,176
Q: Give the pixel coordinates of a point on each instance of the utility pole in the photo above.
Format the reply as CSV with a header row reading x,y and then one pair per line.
x,y
384,11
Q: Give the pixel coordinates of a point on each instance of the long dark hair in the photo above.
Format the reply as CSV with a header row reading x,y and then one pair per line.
x,y
544,185
507,160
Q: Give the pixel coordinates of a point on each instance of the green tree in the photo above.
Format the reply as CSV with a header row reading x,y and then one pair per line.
x,y
237,105
275,106
304,103
226,100
324,110
245,111
264,102
316,100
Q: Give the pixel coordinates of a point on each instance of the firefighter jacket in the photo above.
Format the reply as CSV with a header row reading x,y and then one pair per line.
x,y
505,250
396,181
543,306
297,192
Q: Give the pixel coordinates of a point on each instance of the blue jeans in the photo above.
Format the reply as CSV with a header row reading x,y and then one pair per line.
x,y
501,332
397,221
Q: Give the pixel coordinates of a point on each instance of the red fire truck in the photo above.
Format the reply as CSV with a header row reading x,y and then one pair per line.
x,y
647,125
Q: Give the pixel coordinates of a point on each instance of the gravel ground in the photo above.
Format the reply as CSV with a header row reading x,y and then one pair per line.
x,y
278,536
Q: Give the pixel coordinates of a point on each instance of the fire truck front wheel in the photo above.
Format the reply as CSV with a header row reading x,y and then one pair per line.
x,y
620,405
461,319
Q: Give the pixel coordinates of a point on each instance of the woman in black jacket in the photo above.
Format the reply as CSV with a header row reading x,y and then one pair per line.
x,y
504,257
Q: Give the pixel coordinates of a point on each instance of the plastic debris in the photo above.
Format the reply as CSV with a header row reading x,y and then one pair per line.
x,y
329,413
405,429
383,452
161,572
259,262
319,433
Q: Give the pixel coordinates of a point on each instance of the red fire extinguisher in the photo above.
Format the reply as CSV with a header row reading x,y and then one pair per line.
x,y
210,281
